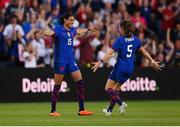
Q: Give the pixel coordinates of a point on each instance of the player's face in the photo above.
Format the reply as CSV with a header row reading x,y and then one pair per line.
x,y
69,22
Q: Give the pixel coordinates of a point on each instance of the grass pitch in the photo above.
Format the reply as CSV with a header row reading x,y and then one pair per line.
x,y
138,113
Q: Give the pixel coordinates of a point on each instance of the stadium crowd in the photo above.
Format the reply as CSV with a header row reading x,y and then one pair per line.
x,y
156,23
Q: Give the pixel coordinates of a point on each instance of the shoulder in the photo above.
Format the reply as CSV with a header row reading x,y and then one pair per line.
x,y
73,29
135,38
7,29
137,41
34,43
9,26
57,28
18,27
121,38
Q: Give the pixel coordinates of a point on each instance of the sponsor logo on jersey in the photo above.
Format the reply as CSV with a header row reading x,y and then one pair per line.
x,y
61,68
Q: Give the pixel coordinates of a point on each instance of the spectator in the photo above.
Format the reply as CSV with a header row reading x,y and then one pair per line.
x,y
146,11
54,18
13,34
39,46
176,59
30,27
29,55
2,42
176,31
165,51
139,22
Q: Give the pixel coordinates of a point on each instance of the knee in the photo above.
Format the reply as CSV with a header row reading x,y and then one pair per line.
x,y
58,82
106,88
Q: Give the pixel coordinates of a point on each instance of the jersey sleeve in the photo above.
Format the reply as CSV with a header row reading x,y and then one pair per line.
x,y
56,30
74,31
116,45
138,43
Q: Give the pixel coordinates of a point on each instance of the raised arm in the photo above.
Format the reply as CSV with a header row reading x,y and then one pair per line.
x,y
170,45
154,64
108,55
47,32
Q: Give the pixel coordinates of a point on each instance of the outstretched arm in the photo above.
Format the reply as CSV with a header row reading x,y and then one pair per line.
x,y
108,55
47,32
83,31
154,64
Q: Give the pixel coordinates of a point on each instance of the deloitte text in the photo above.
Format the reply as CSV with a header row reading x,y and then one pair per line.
x,y
39,86
140,84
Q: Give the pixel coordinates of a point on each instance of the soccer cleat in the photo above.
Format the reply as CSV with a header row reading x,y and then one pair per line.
x,y
106,112
85,113
123,108
54,114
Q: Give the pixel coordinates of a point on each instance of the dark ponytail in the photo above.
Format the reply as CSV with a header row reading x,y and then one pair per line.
x,y
127,27
66,15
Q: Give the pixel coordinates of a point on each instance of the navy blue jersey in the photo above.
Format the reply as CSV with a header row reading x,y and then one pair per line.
x,y
126,48
64,52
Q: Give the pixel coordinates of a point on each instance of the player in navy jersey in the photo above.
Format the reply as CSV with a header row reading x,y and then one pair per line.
x,y
64,61
126,46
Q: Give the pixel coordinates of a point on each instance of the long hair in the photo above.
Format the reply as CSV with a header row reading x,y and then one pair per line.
x,y
127,27
65,16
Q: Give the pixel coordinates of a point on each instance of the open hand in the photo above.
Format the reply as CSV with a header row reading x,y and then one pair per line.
x,y
156,65
96,65
94,27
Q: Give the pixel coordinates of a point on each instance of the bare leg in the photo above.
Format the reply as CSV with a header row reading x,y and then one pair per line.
x,y
110,84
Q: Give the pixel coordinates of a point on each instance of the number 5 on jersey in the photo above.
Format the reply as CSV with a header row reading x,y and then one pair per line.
x,y
129,50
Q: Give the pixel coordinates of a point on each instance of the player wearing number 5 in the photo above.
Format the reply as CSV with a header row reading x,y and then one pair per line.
x,y
125,46
64,61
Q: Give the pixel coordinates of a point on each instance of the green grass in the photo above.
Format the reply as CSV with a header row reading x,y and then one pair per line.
x,y
138,113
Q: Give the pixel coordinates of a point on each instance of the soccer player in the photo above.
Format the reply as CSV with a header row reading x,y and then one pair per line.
x,y
64,60
125,46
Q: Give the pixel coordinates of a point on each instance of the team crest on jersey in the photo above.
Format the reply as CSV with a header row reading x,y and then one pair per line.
x,y
68,34
61,68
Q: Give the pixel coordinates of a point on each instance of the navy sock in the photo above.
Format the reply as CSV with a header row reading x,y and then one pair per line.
x,y
111,106
54,97
81,105
119,100
80,85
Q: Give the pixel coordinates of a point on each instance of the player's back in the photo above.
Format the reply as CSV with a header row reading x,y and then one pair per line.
x,y
126,48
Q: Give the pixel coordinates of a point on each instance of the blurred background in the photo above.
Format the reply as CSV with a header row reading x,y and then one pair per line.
x,y
157,24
